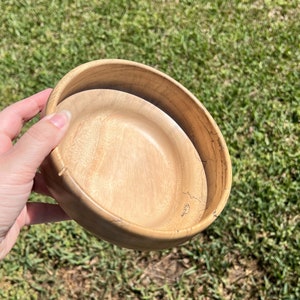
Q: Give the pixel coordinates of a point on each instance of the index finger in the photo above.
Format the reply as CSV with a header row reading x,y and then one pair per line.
x,y
13,117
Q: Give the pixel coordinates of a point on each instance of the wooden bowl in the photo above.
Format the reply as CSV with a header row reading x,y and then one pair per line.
x,y
143,164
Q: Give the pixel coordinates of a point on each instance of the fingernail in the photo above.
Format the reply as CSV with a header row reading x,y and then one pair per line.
x,y
60,119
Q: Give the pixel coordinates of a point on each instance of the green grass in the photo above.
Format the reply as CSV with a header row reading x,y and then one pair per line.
x,y
242,60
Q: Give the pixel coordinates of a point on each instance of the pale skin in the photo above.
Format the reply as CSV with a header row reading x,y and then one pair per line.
x,y
19,163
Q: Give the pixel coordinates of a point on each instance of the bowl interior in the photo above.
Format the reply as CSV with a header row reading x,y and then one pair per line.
x,y
133,160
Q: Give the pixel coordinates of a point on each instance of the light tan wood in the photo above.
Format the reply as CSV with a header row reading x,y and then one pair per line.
x,y
133,160
128,172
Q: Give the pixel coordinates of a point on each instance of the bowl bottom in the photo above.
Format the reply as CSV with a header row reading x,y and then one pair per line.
x,y
133,161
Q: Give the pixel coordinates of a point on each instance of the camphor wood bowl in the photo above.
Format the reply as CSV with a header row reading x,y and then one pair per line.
x,y
143,164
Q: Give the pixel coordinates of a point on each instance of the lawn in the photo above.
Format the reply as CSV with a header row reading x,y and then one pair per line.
x,y
242,61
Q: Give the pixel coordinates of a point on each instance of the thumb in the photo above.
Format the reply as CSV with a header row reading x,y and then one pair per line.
x,y
33,147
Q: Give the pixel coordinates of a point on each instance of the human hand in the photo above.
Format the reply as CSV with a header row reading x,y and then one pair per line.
x,y
19,164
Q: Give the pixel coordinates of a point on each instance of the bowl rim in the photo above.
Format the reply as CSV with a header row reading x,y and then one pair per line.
x,y
58,93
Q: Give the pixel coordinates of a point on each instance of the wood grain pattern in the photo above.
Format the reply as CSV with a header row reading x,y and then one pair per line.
x,y
177,158
133,160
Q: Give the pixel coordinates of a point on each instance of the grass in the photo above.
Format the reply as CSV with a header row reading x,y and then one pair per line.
x,y
242,60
